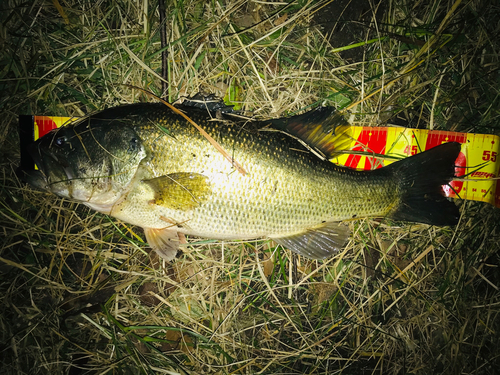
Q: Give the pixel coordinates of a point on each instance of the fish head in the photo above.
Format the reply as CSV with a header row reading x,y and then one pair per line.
x,y
91,162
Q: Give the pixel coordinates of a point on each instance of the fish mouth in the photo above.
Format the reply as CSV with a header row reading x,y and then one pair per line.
x,y
51,170
35,178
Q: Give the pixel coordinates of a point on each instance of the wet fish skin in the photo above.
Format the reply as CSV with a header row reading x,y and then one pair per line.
x,y
148,166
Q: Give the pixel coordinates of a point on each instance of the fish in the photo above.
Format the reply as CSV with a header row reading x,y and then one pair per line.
x,y
146,165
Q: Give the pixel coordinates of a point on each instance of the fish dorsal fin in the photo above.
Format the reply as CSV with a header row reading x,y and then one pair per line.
x,y
180,191
318,242
164,241
323,129
209,103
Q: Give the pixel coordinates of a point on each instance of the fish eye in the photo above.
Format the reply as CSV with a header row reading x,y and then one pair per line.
x,y
60,141
133,145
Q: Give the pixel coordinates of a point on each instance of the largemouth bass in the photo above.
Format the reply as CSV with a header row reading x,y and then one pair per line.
x,y
146,165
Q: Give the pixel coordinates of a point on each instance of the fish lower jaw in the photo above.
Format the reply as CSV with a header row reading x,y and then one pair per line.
x,y
102,208
105,203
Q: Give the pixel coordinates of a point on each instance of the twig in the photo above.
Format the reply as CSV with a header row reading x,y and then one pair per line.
x,y
163,39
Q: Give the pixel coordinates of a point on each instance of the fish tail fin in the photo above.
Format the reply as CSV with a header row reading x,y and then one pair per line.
x,y
420,181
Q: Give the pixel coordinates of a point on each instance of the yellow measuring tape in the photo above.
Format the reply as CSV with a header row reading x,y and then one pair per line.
x,y
477,165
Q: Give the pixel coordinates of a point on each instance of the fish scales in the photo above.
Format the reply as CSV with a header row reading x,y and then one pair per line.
x,y
286,188
148,166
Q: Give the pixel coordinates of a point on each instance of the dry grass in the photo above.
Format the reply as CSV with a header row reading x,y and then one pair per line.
x,y
78,292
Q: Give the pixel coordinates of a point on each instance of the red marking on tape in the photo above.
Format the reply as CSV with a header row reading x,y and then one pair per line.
x,y
45,124
372,140
482,174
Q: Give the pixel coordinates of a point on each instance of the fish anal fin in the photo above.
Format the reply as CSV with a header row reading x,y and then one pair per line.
x,y
180,191
164,241
318,242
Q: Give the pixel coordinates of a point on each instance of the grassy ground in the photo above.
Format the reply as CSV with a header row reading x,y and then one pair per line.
x,y
79,293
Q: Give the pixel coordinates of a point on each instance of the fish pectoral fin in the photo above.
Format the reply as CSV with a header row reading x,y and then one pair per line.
x,y
180,191
318,242
164,241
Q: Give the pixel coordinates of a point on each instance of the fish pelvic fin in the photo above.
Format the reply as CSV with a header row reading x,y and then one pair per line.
x,y
323,129
420,179
318,242
164,241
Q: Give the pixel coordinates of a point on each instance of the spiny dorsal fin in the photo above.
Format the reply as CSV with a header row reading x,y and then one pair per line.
x,y
180,191
209,103
323,129
319,242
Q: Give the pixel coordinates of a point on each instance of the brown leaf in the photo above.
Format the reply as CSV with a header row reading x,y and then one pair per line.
x,y
147,298
281,19
178,341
